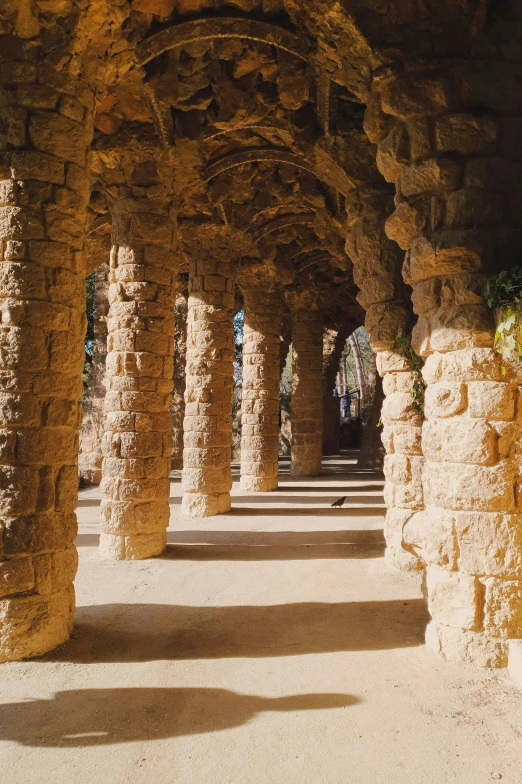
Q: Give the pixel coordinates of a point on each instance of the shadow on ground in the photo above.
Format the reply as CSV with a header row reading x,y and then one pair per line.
x,y
282,511
273,546
148,632
96,717
264,545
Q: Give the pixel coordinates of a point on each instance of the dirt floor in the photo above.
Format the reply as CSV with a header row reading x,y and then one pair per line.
x,y
269,645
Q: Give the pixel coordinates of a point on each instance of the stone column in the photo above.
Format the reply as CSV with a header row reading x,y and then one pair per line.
x,y
307,390
178,395
93,419
46,125
207,477
377,271
260,389
333,344
137,440
455,175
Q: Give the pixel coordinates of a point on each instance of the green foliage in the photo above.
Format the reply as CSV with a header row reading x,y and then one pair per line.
x,y
239,320
285,383
402,345
90,311
502,292
348,359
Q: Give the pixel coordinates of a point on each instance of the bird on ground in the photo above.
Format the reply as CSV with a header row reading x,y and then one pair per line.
x,y
339,502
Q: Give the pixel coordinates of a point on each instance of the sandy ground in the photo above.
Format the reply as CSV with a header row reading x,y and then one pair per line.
x,y
269,645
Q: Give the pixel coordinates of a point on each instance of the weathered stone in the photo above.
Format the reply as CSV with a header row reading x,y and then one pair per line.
x,y
430,534
464,133
489,543
415,96
453,598
469,487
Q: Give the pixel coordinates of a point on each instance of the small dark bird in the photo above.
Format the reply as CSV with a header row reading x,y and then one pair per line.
x,y
340,502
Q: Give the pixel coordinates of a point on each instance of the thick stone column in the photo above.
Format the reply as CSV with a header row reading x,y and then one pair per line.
x,y
333,344
178,394
137,439
455,174
260,389
93,419
307,390
377,271
44,187
207,477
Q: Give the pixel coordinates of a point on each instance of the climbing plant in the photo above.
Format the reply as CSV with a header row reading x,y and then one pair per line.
x,y
502,292
402,345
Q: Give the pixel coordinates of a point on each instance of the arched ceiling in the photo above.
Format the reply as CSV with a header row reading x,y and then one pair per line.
x,y
249,114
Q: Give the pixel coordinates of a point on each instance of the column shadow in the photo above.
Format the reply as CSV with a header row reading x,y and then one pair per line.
x,y
318,511
99,717
148,632
272,546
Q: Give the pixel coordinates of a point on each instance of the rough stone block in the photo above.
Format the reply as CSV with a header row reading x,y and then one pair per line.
x,y
503,607
459,440
489,543
469,487
466,647
431,536
444,400
491,400
454,599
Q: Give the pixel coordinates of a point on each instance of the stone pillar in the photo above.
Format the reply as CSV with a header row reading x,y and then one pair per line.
x,y
93,420
44,187
454,173
178,395
377,271
207,477
334,342
260,389
137,440
307,390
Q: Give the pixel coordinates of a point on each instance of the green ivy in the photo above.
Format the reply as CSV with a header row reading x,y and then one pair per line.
x,y
502,292
402,345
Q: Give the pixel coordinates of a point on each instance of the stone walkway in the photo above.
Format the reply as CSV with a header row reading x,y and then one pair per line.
x,y
269,645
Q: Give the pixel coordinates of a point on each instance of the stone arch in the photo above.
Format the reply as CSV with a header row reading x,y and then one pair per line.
x,y
220,27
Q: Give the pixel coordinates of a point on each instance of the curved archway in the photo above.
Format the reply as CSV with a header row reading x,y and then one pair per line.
x,y
225,27
329,172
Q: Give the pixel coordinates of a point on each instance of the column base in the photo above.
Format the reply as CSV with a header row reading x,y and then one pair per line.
x,y
132,548
199,505
306,468
34,625
258,484
460,646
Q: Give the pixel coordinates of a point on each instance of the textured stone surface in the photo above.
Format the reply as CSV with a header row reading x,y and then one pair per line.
x,y
207,476
307,391
137,440
449,213
260,389
41,358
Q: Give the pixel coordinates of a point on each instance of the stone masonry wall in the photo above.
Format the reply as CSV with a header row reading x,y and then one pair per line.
x,y
307,391
377,271
333,345
137,442
455,164
45,130
207,477
260,389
